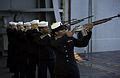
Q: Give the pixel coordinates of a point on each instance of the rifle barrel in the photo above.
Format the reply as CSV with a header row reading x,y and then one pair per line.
x,y
104,20
75,21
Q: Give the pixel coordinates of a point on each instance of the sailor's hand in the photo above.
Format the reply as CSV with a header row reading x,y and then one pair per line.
x,y
78,58
69,33
88,27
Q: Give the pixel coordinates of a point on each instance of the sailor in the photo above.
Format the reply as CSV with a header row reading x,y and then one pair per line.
x,y
21,53
11,34
63,44
27,26
46,56
31,34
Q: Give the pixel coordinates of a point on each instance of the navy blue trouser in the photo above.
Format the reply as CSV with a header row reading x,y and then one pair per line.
x,y
42,69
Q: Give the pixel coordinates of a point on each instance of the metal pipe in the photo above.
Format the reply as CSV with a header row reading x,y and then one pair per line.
x,y
10,4
90,42
90,21
69,13
63,17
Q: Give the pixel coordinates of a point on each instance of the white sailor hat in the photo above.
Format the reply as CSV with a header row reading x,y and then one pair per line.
x,y
20,23
27,24
35,22
13,23
43,24
56,25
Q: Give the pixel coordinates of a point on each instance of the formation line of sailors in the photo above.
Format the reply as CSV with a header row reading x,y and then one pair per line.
x,y
32,44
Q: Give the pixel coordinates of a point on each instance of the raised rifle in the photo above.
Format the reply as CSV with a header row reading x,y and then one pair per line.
x,y
81,28
74,21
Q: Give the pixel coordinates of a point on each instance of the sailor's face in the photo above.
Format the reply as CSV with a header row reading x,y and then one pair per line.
x,y
45,30
61,32
34,26
28,27
14,27
18,27
22,27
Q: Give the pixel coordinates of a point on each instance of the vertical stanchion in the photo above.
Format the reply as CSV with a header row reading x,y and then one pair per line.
x,y
69,14
63,6
90,43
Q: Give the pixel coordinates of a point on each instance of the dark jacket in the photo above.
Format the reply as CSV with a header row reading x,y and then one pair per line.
x,y
64,50
45,53
11,33
32,47
21,52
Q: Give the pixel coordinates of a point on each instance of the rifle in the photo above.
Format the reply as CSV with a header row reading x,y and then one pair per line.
x,y
75,21
81,28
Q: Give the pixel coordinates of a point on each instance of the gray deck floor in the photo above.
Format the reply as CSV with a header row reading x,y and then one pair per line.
x,y
101,65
